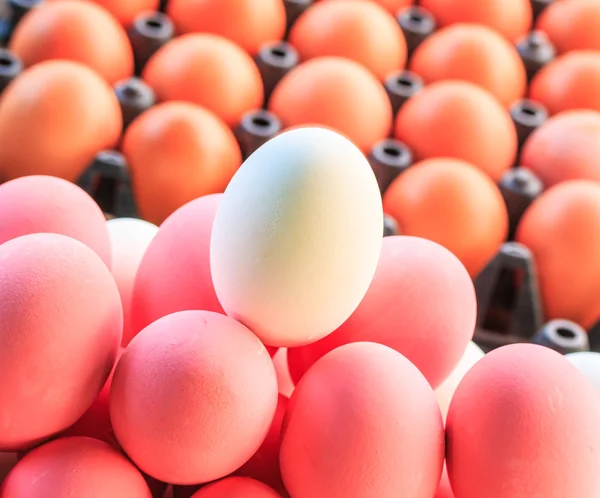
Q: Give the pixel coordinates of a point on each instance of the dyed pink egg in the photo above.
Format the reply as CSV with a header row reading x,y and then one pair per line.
x,y
421,303
236,487
75,467
193,397
363,421
45,204
174,274
264,464
523,423
61,328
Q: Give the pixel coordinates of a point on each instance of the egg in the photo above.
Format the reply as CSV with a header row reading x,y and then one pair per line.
x,y
359,30
297,237
61,328
54,118
193,397
75,466
129,240
36,204
523,423
174,274
589,364
236,487
245,22
475,53
78,31
446,389
511,18
562,230
362,422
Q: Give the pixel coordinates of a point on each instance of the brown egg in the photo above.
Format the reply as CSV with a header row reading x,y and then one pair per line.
x,y
338,93
571,81
248,23
461,120
177,152
77,31
566,147
562,229
359,30
474,53
125,11
207,70
572,25
54,119
452,203
511,18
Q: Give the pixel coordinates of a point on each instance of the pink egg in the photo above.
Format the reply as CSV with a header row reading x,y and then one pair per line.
x,y
264,464
193,397
129,238
523,423
75,467
421,303
174,274
36,204
362,422
61,328
236,487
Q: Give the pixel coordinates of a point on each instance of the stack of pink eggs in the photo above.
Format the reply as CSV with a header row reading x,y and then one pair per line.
x,y
137,362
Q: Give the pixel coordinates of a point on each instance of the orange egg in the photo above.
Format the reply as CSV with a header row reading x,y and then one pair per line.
x,y
76,31
394,6
474,53
356,29
569,82
248,23
573,25
566,147
54,119
452,203
511,18
207,70
338,93
562,229
461,120
125,11
177,152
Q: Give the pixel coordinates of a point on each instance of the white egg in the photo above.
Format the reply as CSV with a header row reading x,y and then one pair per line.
x,y
446,389
129,238
589,364
297,237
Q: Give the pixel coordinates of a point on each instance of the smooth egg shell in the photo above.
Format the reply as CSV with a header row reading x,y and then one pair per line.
x,y
297,237
523,423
